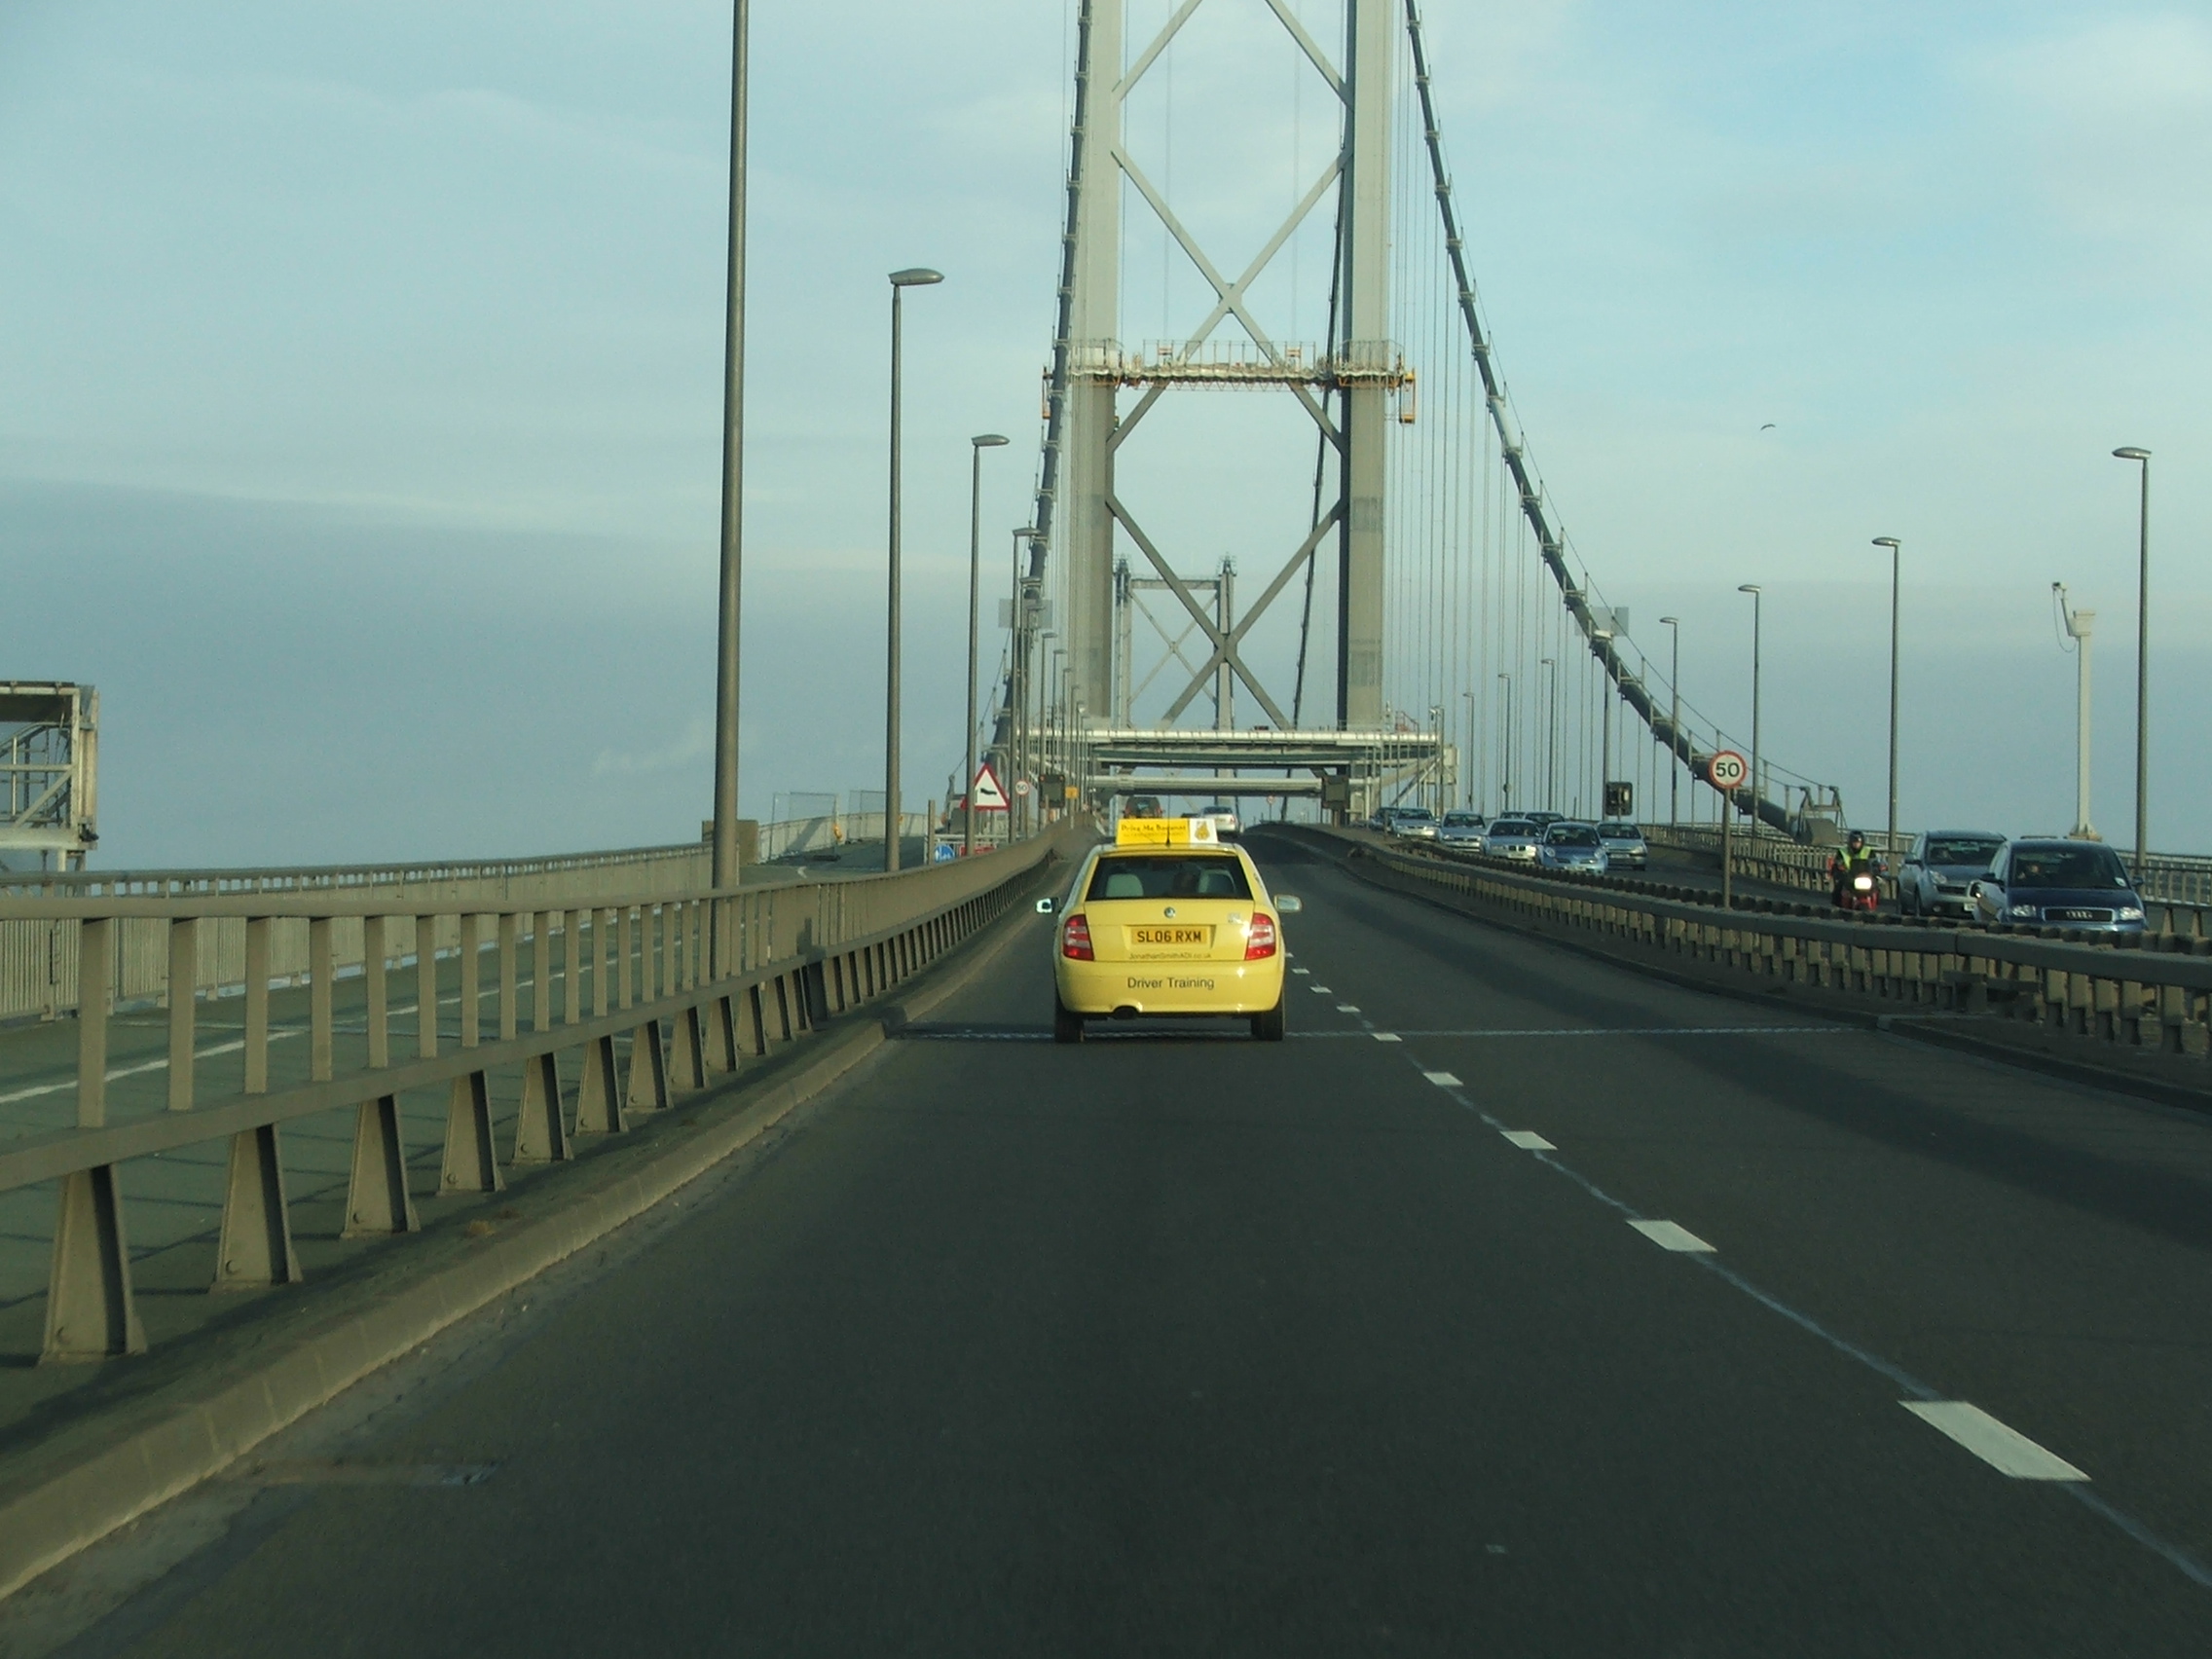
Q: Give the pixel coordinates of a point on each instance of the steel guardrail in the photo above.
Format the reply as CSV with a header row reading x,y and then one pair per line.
x,y
2151,994
685,988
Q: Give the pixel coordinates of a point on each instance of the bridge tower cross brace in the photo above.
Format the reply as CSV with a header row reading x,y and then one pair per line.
x,y
1097,369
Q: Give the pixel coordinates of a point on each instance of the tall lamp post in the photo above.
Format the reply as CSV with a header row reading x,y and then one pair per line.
x,y
2142,661
1472,743
1895,559
1756,592
724,872
1551,732
1505,748
1018,689
2081,628
1603,639
900,282
1673,624
977,445
1436,725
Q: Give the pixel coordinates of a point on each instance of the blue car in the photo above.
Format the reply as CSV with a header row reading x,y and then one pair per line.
x,y
1568,845
2058,884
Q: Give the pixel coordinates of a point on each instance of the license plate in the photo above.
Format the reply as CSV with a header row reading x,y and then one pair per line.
x,y
1171,936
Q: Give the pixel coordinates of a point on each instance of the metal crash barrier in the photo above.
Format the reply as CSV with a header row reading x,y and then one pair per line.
x,y
2154,996
681,989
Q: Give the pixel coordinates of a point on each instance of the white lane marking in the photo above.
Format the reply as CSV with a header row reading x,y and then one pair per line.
x,y
1319,990
1668,1237
2006,1450
1442,1080
1348,1007
1385,1036
1641,1031
1527,1140
1302,969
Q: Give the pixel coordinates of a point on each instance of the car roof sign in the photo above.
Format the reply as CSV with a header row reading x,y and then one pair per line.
x,y
1166,833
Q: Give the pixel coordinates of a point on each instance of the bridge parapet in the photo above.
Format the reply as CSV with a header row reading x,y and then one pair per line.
x,y
598,1009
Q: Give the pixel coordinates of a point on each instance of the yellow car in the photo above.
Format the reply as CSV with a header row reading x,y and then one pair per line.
x,y
1169,921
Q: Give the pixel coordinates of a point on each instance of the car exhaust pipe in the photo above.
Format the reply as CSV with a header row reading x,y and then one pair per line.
x,y
1125,1012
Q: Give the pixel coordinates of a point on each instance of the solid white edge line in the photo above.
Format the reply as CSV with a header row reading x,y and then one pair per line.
x,y
1527,1140
1669,1236
2003,1449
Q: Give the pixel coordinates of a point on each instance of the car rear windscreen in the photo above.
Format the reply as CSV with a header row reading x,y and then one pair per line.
x,y
1512,826
1169,875
1571,835
1962,851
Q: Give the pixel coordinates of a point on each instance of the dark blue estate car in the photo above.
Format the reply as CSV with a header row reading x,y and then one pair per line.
x,y
2058,884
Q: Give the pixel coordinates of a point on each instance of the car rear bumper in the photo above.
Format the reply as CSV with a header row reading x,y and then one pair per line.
x,y
1170,987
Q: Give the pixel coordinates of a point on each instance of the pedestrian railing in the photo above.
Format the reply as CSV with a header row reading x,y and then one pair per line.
x,y
599,1010
2153,995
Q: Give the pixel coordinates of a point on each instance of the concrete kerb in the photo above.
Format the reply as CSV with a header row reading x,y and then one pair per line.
x,y
199,1429
1835,1006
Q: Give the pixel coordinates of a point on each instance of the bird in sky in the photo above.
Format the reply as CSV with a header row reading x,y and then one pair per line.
x,y
1768,427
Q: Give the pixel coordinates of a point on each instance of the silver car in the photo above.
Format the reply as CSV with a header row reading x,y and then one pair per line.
x,y
1417,823
1625,846
1514,838
1462,830
1941,867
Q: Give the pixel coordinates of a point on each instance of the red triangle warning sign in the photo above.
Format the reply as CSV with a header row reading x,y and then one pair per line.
x,y
985,793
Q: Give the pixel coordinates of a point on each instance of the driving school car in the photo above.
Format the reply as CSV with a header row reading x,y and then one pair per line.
x,y
1169,921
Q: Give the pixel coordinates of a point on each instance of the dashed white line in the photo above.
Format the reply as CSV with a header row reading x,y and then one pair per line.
x,y
1668,1237
2006,1450
1319,990
1302,969
1442,1080
1348,1007
1527,1140
1385,1036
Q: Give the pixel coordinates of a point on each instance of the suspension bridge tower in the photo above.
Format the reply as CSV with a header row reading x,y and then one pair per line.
x,y
1347,383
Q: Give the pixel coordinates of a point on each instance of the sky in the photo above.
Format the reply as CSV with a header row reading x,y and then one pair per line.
x,y
360,415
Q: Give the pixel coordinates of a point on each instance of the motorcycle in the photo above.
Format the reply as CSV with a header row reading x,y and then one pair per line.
x,y
1860,891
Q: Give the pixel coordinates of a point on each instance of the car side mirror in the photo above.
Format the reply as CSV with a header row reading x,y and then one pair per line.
x,y
1046,906
1288,904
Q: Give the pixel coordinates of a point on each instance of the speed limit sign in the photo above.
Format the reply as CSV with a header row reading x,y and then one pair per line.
x,y
1726,769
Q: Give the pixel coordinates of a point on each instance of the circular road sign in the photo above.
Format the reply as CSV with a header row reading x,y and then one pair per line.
x,y
1726,769
1022,785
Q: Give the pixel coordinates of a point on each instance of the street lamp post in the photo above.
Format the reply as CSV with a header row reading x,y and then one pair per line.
x,y
1018,690
1895,559
1673,624
1603,639
1436,725
1473,742
900,282
725,869
2142,661
2081,627
1757,593
1551,732
977,445
1505,748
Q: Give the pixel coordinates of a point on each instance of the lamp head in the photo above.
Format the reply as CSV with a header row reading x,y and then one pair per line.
x,y
1752,588
990,440
1889,541
917,277
1670,621
2131,453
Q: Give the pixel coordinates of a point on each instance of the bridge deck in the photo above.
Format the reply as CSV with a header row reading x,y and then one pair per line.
x,y
1182,1344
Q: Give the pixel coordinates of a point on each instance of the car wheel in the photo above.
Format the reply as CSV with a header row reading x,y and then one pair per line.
x,y
1067,1024
1267,1027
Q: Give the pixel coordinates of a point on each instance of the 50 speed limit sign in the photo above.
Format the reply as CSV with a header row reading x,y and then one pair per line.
x,y
1726,769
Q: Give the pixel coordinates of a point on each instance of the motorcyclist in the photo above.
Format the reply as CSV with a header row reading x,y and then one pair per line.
x,y
1853,860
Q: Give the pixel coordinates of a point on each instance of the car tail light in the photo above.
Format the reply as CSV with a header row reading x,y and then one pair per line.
x,y
1075,939
1260,941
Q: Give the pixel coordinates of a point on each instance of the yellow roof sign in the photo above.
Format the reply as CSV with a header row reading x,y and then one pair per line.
x,y
1166,833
